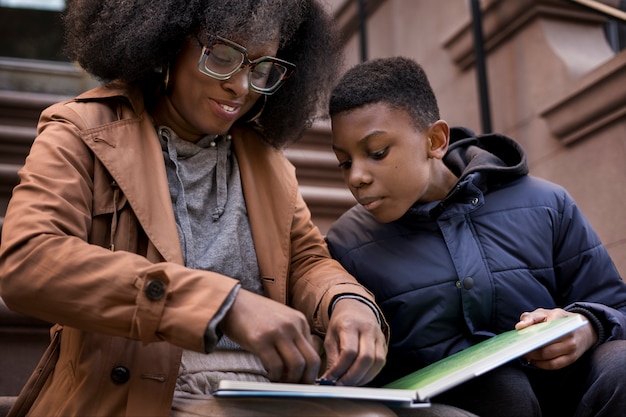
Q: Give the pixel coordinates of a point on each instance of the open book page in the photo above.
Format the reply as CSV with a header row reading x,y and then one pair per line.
x,y
415,389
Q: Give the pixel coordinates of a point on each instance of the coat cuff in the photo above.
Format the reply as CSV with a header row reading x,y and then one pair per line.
x,y
595,322
213,334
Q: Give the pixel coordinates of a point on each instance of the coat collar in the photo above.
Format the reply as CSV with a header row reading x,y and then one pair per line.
x,y
268,180
143,180
116,89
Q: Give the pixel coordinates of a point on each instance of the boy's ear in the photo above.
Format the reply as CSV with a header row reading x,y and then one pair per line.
x,y
438,135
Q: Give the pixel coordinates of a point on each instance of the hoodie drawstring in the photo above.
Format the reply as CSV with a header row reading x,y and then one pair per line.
x,y
221,178
116,196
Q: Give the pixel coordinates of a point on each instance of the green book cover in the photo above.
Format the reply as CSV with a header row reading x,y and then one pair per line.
x,y
415,389
484,356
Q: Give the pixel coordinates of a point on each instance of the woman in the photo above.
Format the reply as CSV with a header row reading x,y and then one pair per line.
x,y
157,221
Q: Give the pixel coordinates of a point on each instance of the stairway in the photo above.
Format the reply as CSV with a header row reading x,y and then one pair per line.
x,y
22,339
19,112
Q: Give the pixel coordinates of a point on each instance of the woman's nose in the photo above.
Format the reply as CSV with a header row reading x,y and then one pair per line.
x,y
239,82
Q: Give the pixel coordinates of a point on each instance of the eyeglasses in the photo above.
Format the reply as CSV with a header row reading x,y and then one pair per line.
x,y
223,59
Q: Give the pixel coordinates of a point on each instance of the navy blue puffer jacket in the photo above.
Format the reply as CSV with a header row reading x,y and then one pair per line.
x,y
453,272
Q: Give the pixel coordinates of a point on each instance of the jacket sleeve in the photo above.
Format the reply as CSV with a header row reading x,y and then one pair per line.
x,y
50,270
587,277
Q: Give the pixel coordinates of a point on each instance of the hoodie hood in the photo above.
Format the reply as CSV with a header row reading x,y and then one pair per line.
x,y
496,158
482,163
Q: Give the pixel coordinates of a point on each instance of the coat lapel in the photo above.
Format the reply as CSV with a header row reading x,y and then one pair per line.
x,y
268,181
131,152
270,191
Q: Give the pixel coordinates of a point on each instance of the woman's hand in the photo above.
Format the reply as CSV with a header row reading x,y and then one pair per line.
x,y
564,351
279,335
355,346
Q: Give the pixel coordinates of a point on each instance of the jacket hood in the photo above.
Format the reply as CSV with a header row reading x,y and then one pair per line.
x,y
482,163
497,158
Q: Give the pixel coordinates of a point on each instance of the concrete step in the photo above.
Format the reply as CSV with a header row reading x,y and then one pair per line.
x,y
22,342
22,108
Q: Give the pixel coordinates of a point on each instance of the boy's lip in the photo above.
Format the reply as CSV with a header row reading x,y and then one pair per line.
x,y
370,203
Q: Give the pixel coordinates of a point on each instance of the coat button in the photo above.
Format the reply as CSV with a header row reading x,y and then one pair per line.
x,y
120,374
468,283
155,290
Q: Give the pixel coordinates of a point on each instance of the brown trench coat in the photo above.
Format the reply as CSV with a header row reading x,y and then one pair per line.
x,y
95,181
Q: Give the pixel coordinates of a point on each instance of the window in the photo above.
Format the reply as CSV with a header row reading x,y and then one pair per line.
x,y
615,29
32,29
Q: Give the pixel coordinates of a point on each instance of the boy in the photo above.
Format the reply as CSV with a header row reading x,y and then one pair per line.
x,y
459,243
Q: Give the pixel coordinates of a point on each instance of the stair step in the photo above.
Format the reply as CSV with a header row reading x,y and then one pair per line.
x,y
15,143
23,108
315,167
22,340
8,180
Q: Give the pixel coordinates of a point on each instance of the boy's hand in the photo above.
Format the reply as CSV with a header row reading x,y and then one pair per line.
x,y
562,352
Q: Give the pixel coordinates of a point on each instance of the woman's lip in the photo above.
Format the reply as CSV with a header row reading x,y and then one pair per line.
x,y
226,111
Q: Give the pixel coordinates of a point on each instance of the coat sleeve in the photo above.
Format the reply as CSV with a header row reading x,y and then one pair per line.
x,y
294,261
587,276
51,270
314,272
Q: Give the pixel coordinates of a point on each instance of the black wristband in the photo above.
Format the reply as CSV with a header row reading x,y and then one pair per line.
x,y
355,297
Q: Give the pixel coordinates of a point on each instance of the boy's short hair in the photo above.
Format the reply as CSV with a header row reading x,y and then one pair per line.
x,y
398,82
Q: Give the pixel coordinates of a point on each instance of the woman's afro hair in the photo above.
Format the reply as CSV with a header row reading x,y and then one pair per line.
x,y
133,40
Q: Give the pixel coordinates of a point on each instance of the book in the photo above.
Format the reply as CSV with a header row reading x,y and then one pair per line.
x,y
416,388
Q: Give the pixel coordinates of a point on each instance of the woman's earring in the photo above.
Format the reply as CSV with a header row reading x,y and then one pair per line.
x,y
254,119
166,79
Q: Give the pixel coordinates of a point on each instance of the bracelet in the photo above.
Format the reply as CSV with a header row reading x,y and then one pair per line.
x,y
359,298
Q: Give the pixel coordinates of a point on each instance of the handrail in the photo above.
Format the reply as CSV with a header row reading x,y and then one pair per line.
x,y
481,67
603,8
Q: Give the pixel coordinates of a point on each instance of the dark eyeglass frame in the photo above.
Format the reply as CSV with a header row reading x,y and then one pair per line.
x,y
245,61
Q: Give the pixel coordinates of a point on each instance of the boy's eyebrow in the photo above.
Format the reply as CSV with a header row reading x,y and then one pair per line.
x,y
364,138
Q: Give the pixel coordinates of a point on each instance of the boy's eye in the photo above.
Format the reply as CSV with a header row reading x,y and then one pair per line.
x,y
379,154
345,164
